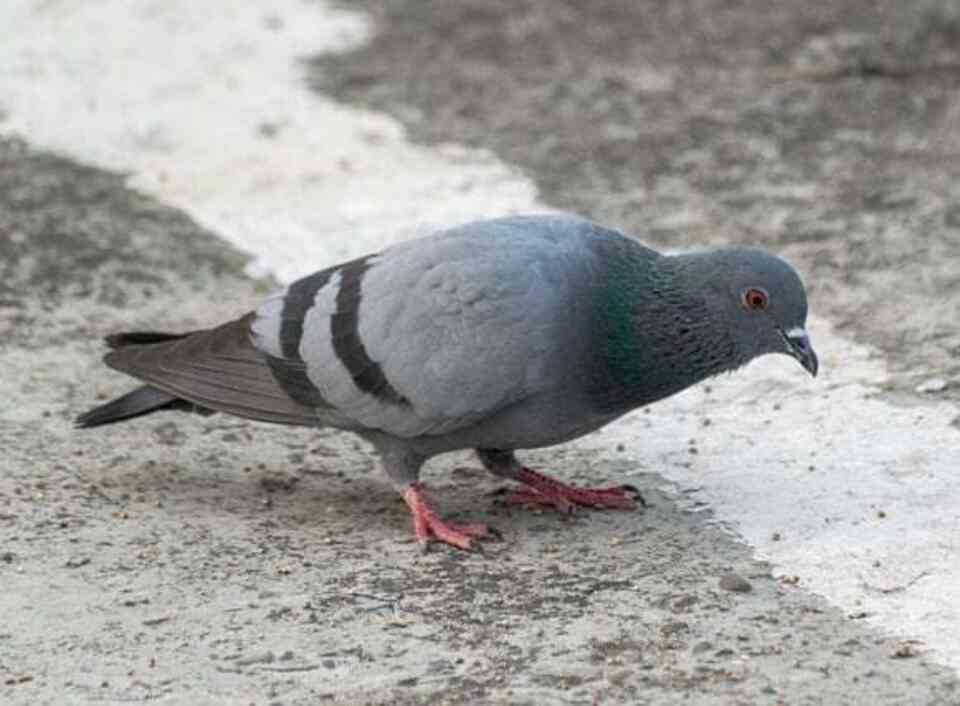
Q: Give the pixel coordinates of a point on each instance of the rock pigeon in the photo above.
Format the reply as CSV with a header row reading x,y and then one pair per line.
x,y
496,335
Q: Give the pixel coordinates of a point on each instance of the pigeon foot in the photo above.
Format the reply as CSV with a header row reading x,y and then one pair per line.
x,y
427,524
543,490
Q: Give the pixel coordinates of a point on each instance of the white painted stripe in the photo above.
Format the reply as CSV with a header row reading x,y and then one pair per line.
x,y
182,95
853,495
178,93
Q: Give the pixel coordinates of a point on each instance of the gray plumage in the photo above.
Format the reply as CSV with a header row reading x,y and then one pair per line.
x,y
496,335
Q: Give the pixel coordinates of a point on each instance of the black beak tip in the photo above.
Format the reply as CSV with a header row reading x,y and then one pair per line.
x,y
798,345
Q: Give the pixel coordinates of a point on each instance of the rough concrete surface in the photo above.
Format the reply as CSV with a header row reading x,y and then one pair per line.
x,y
199,560
193,560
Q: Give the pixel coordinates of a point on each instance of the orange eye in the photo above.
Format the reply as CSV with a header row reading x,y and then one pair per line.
x,y
755,299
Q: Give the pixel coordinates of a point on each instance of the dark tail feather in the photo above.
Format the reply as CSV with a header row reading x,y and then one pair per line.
x,y
143,400
137,338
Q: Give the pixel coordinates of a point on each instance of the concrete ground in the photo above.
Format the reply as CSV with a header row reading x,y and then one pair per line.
x,y
209,560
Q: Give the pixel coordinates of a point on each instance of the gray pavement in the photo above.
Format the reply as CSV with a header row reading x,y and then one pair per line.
x,y
209,560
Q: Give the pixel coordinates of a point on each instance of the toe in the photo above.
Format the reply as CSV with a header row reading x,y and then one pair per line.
x,y
533,498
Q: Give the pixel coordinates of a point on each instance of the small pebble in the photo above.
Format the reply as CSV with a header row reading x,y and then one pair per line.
x,y
266,657
735,582
931,386
153,622
904,650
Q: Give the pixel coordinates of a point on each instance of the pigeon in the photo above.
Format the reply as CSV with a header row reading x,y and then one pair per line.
x,y
496,335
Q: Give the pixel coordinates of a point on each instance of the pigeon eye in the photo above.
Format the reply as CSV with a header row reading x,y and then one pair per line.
x,y
755,299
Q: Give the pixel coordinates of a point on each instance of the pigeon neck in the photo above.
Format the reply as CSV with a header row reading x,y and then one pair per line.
x,y
658,332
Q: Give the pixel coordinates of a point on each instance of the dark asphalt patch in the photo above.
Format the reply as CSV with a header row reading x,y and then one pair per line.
x,y
73,231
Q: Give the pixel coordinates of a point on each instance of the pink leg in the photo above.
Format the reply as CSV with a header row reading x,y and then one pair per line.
x,y
427,524
543,490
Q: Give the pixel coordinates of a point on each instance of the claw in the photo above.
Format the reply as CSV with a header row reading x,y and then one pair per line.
x,y
494,534
635,493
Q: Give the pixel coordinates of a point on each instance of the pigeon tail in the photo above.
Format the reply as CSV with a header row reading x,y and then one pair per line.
x,y
217,369
143,400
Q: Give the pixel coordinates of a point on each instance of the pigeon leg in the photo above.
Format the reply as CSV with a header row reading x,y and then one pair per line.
x,y
427,524
542,490
402,465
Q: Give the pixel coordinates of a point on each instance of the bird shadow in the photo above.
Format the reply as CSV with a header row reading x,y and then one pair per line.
x,y
330,502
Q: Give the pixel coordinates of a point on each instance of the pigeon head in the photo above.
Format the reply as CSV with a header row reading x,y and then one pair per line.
x,y
763,299
668,322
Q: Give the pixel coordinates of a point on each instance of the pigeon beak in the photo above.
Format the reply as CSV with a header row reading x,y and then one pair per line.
x,y
798,345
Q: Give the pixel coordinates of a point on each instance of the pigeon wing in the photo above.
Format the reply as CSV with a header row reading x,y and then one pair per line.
x,y
430,336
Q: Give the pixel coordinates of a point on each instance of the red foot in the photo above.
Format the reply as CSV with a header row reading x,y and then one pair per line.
x,y
544,490
427,524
